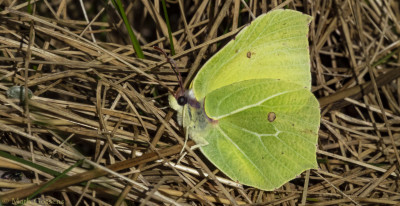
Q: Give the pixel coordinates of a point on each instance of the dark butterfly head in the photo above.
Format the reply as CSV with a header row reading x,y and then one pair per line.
x,y
187,97
181,97
182,100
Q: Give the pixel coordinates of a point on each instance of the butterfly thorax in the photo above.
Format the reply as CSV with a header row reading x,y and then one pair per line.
x,y
192,117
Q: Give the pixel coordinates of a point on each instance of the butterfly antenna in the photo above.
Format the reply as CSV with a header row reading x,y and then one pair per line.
x,y
173,65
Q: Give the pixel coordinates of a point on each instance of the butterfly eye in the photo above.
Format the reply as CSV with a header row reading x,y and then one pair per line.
x,y
182,100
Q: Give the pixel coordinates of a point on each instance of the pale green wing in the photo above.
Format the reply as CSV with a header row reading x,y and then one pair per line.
x,y
265,132
273,46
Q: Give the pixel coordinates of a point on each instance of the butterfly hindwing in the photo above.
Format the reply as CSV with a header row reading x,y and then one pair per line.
x,y
247,145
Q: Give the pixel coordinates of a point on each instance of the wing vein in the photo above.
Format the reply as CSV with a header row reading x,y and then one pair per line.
x,y
244,154
252,105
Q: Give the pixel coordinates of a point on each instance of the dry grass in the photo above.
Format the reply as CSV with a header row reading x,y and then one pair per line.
x,y
93,98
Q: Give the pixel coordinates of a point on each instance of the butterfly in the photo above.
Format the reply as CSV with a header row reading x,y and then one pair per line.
x,y
250,109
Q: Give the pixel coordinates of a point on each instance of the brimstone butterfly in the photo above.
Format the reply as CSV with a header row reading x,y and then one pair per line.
x,y
250,109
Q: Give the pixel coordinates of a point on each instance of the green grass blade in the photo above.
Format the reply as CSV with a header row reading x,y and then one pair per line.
x,y
55,179
171,41
29,7
385,58
28,163
132,36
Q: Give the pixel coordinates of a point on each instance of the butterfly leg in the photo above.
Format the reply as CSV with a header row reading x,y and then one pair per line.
x,y
192,148
180,158
199,144
199,139
184,146
186,139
